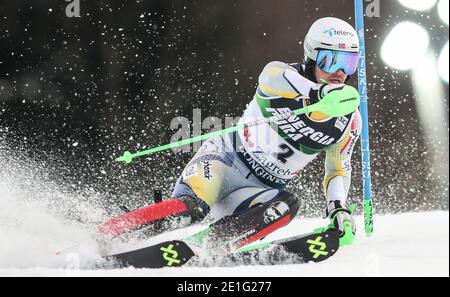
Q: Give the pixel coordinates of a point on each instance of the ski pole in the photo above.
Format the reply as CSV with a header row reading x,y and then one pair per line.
x,y
334,104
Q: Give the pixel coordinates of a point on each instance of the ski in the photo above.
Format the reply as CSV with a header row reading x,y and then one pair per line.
x,y
312,247
172,253
315,247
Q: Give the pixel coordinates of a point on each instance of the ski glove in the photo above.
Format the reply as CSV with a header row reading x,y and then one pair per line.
x,y
342,220
321,90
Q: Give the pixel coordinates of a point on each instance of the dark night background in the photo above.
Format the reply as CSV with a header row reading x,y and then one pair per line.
x,y
77,92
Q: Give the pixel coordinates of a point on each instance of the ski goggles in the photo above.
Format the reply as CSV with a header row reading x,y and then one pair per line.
x,y
331,61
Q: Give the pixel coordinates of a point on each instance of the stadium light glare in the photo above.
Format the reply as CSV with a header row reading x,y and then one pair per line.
x,y
443,63
405,46
443,10
419,5
430,100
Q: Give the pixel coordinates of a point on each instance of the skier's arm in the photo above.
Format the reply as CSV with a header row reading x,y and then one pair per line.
x,y
338,163
278,79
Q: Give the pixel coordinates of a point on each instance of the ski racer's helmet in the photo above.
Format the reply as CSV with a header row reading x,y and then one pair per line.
x,y
332,44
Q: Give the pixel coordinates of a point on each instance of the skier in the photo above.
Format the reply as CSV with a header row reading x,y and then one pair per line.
x,y
240,178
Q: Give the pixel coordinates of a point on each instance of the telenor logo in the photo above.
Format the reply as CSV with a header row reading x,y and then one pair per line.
x,y
331,32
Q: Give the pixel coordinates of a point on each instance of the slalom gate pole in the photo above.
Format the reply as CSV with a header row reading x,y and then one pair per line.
x,y
365,148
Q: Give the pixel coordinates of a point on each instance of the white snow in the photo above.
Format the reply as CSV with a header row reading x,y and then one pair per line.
x,y
409,244
33,228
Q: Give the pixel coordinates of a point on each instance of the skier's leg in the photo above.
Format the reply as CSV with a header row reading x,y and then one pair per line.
x,y
261,218
158,217
203,181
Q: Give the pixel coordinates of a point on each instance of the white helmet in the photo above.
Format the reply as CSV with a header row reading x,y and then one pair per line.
x,y
332,34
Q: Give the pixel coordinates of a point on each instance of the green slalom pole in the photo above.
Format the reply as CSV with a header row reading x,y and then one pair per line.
x,y
337,103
